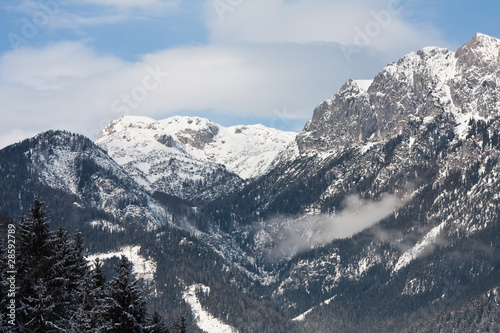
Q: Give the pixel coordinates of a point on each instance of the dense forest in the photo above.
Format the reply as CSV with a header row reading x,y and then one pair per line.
x,y
47,285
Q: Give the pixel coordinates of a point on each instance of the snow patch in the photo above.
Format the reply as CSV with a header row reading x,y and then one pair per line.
x,y
416,250
363,85
428,120
414,287
411,142
141,267
107,226
367,147
303,315
203,319
462,120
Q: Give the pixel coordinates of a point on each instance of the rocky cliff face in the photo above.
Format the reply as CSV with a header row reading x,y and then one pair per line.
x,y
419,85
384,217
475,87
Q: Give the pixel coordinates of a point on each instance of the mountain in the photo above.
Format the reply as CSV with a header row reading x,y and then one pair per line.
x,y
407,168
86,191
94,189
190,157
421,84
381,215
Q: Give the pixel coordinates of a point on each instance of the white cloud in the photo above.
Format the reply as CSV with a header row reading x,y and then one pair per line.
x,y
263,56
313,231
9,137
73,15
246,79
144,4
55,67
68,86
61,86
76,22
377,24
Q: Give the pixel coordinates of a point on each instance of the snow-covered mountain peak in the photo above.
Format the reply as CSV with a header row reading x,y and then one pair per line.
x,y
184,128
189,149
419,85
438,63
181,123
481,46
123,123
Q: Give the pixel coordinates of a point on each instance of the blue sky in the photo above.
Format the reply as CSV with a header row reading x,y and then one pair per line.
x,y
77,65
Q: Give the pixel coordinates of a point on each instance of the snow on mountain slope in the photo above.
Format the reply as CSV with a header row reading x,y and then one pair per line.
x,y
421,84
203,319
416,250
245,150
142,268
74,165
184,155
248,150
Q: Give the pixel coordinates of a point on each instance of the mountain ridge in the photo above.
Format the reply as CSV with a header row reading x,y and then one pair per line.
x,y
425,133
421,84
204,155
73,164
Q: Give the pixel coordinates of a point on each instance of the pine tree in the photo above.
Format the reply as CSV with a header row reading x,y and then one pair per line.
x,y
65,279
50,271
78,264
34,262
156,324
77,270
60,279
41,310
126,304
91,299
180,328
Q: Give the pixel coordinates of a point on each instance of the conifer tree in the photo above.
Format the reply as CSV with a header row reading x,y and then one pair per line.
x,y
59,292
180,328
34,262
126,305
156,324
78,264
59,279
91,300
50,272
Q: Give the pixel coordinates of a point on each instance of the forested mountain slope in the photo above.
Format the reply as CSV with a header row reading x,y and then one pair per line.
x,y
381,216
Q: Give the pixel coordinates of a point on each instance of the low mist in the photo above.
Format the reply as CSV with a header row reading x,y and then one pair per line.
x,y
289,237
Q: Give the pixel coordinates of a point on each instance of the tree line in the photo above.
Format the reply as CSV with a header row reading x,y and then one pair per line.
x,y
54,289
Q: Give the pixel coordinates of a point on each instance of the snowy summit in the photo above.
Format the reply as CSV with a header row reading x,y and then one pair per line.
x,y
190,148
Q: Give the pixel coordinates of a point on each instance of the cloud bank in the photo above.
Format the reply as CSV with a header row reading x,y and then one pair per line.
x,y
259,56
312,231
